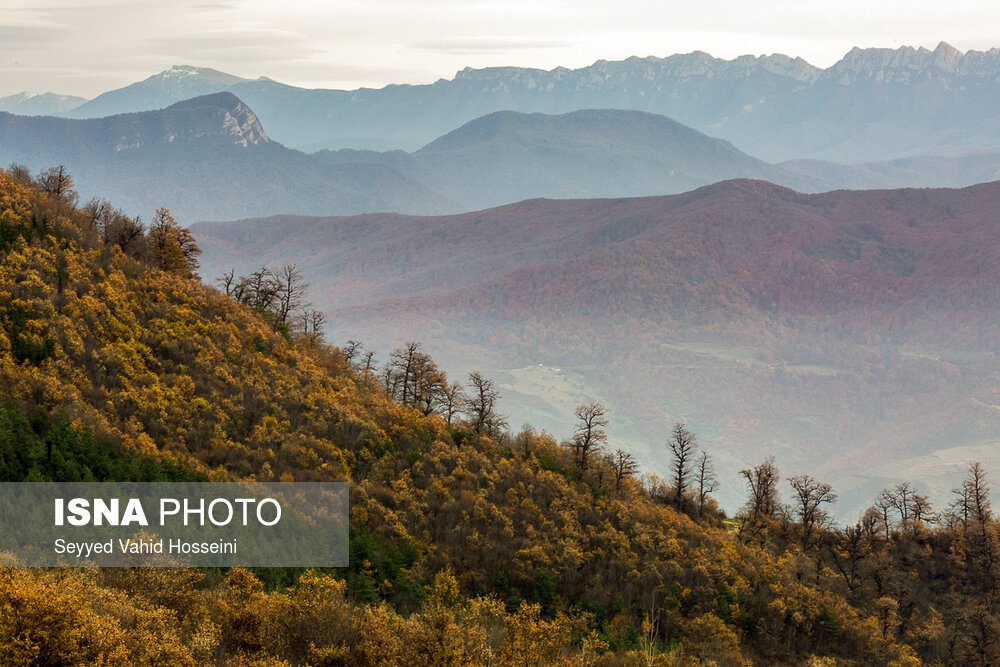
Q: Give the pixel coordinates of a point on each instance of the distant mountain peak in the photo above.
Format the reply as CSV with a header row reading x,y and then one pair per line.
x,y
946,55
237,121
28,103
901,64
185,74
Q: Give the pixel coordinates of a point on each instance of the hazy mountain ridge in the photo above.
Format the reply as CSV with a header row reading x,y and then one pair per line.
x,y
208,157
918,171
904,62
737,299
508,156
39,104
874,104
217,147
220,118
493,160
180,82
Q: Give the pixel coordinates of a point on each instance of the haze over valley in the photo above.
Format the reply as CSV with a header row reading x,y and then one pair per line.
x,y
621,359
812,328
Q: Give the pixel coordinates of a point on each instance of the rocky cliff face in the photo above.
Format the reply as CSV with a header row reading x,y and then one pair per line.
x,y
907,64
219,118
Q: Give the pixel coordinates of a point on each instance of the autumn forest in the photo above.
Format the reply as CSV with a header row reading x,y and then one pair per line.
x,y
472,542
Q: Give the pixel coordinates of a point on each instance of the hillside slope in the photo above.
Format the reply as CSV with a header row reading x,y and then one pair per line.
x,y
814,327
464,548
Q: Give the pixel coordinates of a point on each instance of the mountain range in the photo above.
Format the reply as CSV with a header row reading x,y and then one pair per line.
x,y
849,333
39,104
507,156
208,157
874,104
211,158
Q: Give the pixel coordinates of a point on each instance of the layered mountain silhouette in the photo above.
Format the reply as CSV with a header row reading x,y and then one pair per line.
x,y
920,171
208,157
211,158
507,156
178,83
39,104
874,104
760,316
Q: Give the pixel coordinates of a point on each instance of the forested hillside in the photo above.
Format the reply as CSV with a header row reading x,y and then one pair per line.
x,y
850,334
470,543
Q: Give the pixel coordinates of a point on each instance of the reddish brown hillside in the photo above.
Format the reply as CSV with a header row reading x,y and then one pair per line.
x,y
824,327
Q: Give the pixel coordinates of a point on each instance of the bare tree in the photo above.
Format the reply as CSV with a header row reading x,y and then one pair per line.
x,y
481,406
313,322
978,494
291,291
56,182
19,173
228,281
428,385
398,370
116,228
369,362
922,511
589,436
257,290
704,471
883,506
809,496
452,399
683,445
351,349
623,465
849,549
762,502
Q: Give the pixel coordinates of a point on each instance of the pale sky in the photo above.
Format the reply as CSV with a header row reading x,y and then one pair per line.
x,y
90,46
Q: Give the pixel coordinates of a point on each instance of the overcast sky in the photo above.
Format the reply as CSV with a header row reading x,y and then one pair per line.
x,y
85,47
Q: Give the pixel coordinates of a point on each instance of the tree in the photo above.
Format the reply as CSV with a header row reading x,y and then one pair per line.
x,y
762,501
312,325
429,383
452,399
683,445
291,291
706,479
883,506
912,508
623,464
228,282
115,228
481,406
351,349
282,296
922,511
398,373
978,494
589,436
850,548
368,365
809,497
56,182
172,247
